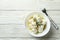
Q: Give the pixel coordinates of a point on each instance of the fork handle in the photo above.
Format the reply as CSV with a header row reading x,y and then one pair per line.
x,y
55,25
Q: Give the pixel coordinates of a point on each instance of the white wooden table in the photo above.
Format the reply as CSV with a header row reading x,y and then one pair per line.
x,y
14,12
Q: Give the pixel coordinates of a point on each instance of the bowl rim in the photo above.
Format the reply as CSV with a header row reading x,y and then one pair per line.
x,y
44,32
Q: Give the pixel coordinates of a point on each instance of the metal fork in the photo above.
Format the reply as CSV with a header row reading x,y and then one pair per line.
x,y
53,23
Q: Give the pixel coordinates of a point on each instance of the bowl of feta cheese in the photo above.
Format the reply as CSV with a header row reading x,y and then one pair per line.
x,y
37,24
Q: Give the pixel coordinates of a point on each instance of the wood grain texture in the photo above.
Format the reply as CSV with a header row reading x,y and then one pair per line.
x,y
18,17
12,25
14,12
29,5
20,31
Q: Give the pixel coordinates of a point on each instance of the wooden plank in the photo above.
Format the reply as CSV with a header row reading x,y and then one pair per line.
x,y
13,16
50,0
18,4
18,17
50,5
20,30
29,39
55,15
28,5
13,31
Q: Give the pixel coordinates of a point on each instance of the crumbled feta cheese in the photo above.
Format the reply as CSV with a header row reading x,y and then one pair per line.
x,y
34,30
41,28
44,22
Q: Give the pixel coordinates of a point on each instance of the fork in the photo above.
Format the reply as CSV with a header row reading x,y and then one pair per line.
x,y
53,23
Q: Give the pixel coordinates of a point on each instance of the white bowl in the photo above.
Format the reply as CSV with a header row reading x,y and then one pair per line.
x,y
47,26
